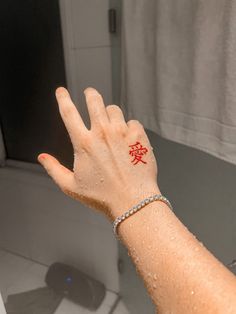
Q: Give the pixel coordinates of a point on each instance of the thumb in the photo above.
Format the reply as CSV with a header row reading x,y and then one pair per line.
x,y
62,176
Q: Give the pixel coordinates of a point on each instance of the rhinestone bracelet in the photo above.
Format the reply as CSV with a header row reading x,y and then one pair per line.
x,y
134,209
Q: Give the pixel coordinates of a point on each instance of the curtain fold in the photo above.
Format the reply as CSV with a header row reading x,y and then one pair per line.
x,y
178,71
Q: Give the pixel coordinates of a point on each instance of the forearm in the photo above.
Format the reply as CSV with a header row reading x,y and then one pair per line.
x,y
181,275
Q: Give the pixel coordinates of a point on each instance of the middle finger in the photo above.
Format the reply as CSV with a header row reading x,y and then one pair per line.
x,y
96,108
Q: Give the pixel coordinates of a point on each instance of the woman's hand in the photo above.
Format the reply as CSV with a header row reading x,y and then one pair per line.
x,y
109,175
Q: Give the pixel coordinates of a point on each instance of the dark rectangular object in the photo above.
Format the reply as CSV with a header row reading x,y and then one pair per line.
x,y
75,285
38,301
112,20
32,68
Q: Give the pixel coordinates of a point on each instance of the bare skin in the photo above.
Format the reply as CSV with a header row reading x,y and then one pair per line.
x,y
180,274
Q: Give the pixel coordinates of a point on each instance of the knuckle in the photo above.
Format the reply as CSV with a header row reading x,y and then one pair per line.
x,y
139,123
137,128
120,129
85,142
135,123
141,131
141,126
104,129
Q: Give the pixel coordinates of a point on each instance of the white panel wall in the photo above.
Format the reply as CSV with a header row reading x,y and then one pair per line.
x,y
91,20
87,48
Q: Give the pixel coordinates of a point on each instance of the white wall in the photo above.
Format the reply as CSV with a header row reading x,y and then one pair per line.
x,y
87,46
36,219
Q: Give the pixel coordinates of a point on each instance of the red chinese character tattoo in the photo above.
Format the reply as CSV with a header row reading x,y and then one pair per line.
x,y
138,151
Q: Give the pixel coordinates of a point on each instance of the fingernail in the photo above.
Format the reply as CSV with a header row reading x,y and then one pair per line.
x,y
61,92
41,157
89,89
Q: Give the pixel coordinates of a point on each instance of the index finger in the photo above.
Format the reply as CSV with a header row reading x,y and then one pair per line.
x,y
70,116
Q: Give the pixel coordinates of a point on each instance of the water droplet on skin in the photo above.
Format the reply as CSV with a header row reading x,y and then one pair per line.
x,y
196,249
101,180
149,274
155,276
192,292
131,249
172,238
130,225
154,286
201,243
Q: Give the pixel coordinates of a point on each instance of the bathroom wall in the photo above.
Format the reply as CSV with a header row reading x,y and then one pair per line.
x,y
36,219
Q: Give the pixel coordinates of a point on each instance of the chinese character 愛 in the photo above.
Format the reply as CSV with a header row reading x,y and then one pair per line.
x,y
137,152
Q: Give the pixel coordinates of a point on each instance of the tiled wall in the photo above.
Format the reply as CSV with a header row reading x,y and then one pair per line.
x,y
36,219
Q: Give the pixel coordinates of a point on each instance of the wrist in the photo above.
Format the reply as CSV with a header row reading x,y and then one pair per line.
x,y
130,199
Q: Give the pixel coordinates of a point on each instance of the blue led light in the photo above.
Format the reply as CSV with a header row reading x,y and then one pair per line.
x,y
68,279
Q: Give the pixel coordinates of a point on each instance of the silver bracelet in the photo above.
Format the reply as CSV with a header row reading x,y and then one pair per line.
x,y
134,209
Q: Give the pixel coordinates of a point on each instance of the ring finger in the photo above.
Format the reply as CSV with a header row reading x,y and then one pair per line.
x,y
116,117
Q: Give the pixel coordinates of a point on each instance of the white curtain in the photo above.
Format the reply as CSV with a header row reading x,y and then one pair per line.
x,y
178,61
